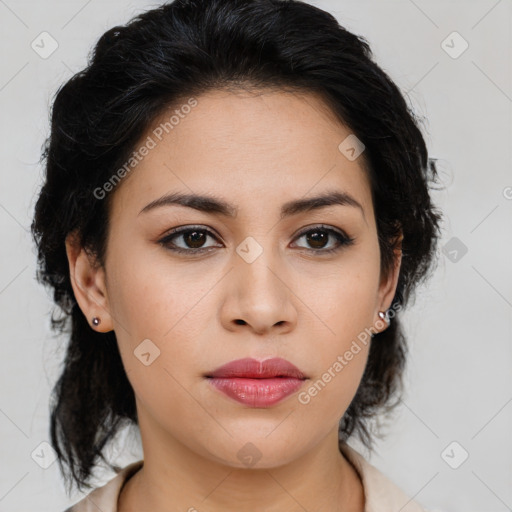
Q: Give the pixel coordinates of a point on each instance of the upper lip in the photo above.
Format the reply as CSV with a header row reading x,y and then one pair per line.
x,y
253,369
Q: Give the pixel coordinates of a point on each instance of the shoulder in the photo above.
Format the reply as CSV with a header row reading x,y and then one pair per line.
x,y
105,498
381,494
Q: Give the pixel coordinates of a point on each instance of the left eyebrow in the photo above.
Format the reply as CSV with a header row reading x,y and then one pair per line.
x,y
217,206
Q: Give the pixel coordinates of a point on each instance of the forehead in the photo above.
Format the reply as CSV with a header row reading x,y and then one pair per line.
x,y
252,148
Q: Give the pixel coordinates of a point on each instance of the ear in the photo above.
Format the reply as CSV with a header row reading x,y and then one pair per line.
x,y
88,282
388,284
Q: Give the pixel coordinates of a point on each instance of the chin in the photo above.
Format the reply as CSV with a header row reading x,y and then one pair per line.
x,y
256,452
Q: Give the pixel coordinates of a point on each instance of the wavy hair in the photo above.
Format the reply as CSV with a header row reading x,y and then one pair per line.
x,y
135,72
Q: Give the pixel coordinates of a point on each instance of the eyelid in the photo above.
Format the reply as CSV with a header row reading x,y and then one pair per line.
x,y
343,240
325,227
185,229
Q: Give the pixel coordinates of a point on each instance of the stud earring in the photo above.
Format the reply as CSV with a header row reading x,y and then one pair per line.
x,y
95,321
384,316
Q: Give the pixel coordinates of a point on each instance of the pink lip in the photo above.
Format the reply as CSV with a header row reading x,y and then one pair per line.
x,y
255,383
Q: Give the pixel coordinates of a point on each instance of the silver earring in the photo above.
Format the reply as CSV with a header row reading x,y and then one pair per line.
x,y
384,316
95,321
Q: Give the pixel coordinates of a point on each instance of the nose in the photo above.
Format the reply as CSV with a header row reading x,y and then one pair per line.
x,y
259,297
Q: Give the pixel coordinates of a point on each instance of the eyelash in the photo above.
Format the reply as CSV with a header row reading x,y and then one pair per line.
x,y
343,240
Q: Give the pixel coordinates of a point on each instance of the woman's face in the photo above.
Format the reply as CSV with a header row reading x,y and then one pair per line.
x,y
256,278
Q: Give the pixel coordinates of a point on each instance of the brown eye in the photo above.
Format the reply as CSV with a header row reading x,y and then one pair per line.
x,y
318,238
193,240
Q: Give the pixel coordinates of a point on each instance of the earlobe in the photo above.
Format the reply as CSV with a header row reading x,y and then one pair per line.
x,y
88,283
388,287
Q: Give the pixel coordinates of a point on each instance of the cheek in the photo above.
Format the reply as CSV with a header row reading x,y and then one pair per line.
x,y
328,394
344,307
342,299
148,295
150,300
340,361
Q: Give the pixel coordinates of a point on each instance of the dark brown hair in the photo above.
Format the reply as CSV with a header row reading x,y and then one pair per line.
x,y
186,48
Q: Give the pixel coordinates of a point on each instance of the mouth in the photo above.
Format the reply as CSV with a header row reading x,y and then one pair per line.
x,y
257,383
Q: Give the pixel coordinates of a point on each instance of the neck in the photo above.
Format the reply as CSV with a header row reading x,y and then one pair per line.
x,y
175,478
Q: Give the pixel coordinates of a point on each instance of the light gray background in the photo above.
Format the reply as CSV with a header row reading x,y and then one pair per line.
x,y
459,372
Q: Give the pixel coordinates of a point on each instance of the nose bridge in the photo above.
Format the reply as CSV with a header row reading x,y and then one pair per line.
x,y
258,266
260,295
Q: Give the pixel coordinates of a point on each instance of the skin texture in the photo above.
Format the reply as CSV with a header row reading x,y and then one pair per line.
x,y
255,151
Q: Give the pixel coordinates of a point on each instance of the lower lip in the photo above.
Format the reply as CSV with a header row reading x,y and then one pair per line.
x,y
257,392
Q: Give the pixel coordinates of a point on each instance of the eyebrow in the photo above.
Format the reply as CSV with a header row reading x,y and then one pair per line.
x,y
217,206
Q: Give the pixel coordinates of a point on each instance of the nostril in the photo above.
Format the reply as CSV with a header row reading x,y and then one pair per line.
x,y
240,322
